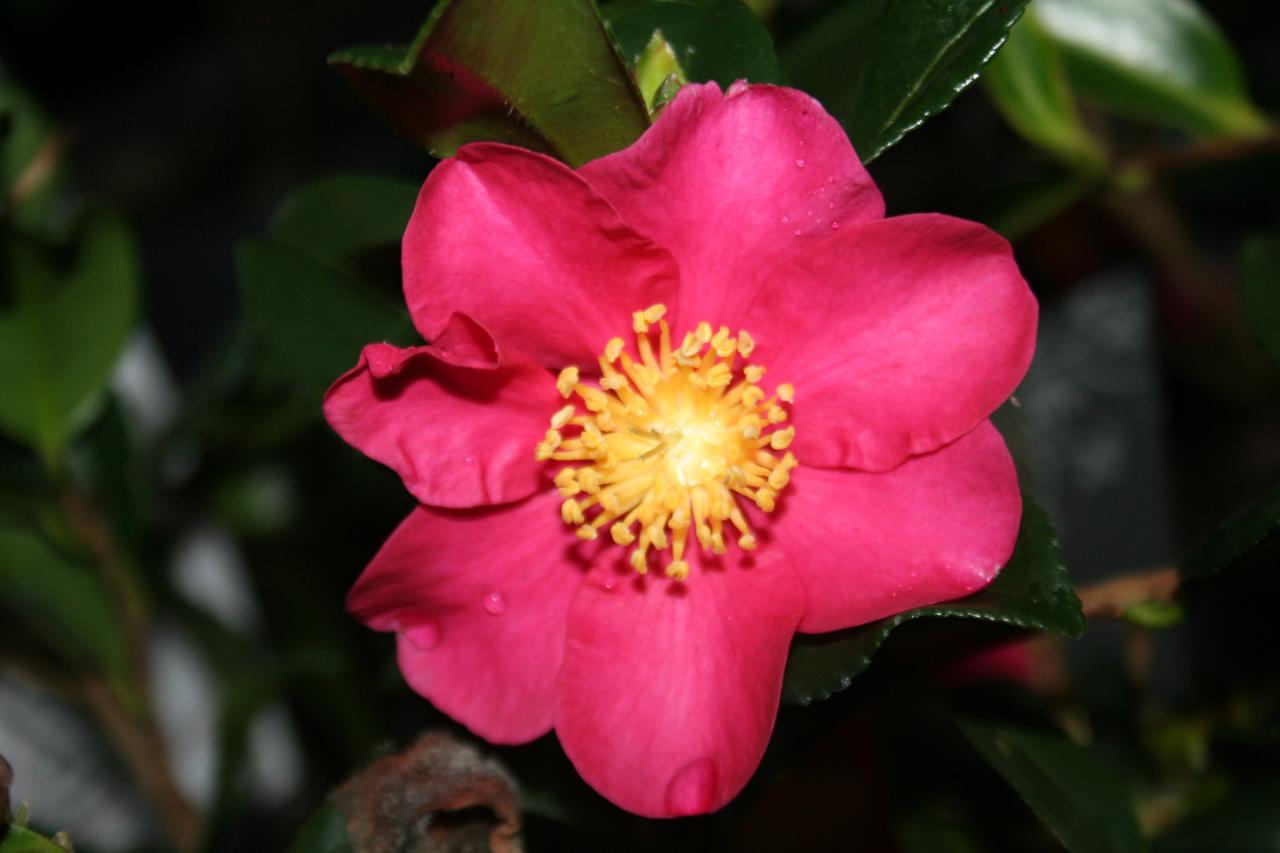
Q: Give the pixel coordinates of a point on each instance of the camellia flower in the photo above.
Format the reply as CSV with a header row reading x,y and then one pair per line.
x,y
678,405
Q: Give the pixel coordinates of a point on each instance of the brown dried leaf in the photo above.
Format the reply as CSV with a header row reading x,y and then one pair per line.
x,y
438,796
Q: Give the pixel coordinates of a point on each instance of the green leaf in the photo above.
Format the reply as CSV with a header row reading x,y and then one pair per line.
x,y
1027,80
1246,821
29,158
1032,591
1260,291
312,287
59,600
542,74
324,832
1067,786
19,839
1235,537
1160,61
64,318
720,40
884,66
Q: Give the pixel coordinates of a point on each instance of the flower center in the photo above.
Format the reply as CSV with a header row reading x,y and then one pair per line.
x,y
670,441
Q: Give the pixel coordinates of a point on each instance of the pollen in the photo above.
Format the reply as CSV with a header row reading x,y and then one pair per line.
x,y
669,443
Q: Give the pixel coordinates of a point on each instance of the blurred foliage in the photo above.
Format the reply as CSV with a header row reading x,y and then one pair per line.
x,y
1112,135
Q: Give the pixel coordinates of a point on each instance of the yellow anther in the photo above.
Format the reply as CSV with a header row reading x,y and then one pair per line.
x,y
674,444
571,512
562,417
786,393
621,534
778,478
566,381
782,439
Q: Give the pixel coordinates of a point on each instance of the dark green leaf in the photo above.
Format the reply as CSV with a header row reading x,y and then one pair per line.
x,y
29,155
19,839
325,832
1032,591
718,40
1260,291
884,66
1238,535
1067,786
1027,80
64,319
326,280
1247,822
60,601
538,73
1162,61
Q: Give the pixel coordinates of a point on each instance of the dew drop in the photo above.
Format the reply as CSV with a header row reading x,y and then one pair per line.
x,y
786,219
800,164
495,604
834,225
796,232
468,460
609,585
424,636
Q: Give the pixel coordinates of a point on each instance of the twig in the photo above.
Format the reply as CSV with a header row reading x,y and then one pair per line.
x,y
1112,598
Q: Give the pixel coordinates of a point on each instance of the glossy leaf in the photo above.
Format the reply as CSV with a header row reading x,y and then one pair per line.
x,y
883,67
312,286
65,315
542,74
1068,787
324,832
1027,80
1161,61
1235,537
1260,291
720,40
1032,591
59,600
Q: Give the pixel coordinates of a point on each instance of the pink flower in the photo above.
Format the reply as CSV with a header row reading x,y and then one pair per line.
x,y
598,339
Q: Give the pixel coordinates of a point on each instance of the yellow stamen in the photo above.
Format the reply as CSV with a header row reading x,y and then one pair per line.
x,y
670,443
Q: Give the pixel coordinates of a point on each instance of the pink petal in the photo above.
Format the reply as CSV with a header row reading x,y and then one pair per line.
x,y
725,182
866,546
669,691
458,435
899,336
479,601
519,242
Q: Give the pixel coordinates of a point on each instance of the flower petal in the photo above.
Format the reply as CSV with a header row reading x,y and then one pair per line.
x,y
899,335
478,599
867,546
520,243
669,691
457,435
723,182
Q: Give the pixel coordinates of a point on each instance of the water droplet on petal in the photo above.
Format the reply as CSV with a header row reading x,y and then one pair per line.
x,y
424,636
495,604
468,460
796,232
609,585
834,225
786,219
800,164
